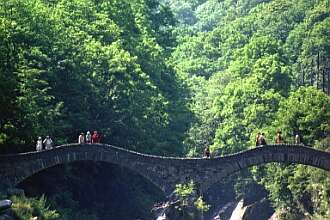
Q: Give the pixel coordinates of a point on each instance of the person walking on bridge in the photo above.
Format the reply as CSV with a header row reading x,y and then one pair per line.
x,y
279,138
207,153
262,140
48,142
297,139
257,139
88,137
81,138
39,144
95,137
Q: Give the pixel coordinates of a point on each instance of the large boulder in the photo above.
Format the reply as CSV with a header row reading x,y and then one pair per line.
x,y
241,210
5,204
259,210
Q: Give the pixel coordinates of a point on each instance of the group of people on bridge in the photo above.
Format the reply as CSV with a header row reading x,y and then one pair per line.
x,y
47,143
89,138
260,141
96,138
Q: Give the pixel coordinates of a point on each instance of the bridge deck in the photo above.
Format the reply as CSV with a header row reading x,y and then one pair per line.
x,y
160,170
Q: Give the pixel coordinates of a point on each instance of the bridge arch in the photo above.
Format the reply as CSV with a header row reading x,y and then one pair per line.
x,y
93,181
164,172
222,167
16,168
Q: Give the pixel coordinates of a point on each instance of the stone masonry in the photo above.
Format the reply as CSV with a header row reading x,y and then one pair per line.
x,y
164,172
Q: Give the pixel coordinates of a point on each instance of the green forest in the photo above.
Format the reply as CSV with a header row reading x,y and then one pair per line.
x,y
170,77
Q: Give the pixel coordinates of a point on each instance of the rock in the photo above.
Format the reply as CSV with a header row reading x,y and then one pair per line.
x,y
5,204
174,210
259,210
239,211
274,216
5,211
162,217
225,211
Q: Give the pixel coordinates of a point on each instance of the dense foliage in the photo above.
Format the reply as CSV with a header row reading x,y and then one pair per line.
x,y
29,208
189,204
73,66
244,62
171,77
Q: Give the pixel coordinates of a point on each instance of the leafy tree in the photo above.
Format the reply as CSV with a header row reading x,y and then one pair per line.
x,y
187,196
25,208
305,112
292,187
91,65
8,78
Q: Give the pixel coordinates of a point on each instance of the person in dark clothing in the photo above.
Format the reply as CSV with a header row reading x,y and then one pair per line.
x,y
257,139
207,153
262,140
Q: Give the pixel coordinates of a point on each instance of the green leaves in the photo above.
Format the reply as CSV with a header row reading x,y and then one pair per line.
x,y
305,112
25,208
244,63
90,65
185,190
187,195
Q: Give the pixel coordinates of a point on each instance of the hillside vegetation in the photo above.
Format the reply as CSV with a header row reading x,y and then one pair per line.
x,y
171,77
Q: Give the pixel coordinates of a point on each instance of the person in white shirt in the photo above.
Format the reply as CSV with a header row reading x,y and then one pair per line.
x,y
48,142
39,144
88,137
81,138
297,139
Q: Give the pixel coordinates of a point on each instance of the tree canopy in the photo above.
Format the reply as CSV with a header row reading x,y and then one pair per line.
x,y
171,77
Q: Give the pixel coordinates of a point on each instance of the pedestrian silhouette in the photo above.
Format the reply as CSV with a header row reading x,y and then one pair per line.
x,y
88,137
279,138
81,138
257,139
297,139
48,142
207,153
262,140
39,144
95,137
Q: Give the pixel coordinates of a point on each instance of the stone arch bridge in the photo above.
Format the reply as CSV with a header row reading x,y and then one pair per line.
x,y
164,172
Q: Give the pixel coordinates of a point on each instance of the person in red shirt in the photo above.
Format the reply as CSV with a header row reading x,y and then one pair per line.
x,y
95,137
